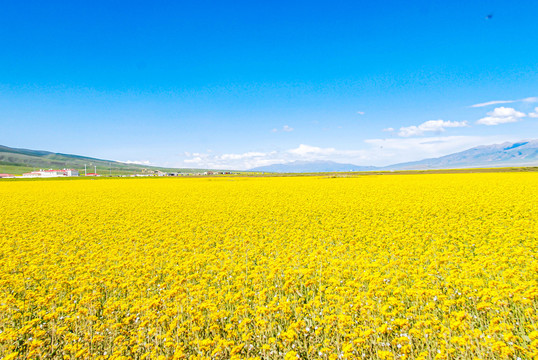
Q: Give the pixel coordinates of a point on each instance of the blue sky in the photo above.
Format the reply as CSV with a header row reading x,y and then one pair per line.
x,y
241,84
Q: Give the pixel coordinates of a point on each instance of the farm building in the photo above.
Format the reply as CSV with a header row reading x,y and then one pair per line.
x,y
52,173
6,176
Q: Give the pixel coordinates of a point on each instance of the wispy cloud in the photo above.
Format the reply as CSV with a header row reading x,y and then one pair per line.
x,y
497,102
501,115
195,160
314,152
395,150
247,155
285,128
494,102
360,112
137,162
389,129
228,161
430,126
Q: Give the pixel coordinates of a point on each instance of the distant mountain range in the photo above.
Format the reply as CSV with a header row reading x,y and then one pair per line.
x,y
523,153
312,166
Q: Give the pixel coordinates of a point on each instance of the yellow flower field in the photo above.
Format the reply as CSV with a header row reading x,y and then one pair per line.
x,y
369,267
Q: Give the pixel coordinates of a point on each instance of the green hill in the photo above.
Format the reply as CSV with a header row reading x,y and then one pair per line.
x,y
18,161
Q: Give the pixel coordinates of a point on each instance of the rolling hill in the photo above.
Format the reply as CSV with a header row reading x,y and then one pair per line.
x,y
17,161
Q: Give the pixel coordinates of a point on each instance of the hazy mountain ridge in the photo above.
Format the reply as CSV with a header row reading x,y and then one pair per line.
x,y
312,166
521,153
506,154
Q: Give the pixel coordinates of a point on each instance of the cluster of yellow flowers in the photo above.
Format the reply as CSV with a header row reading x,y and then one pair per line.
x,y
369,267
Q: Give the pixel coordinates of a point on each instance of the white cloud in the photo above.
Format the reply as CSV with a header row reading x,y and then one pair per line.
x,y
304,150
137,162
251,159
534,114
287,128
389,129
247,155
195,160
308,152
430,126
496,102
501,115
360,112
237,161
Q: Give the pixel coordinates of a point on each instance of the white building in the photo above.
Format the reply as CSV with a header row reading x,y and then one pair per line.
x,y
52,173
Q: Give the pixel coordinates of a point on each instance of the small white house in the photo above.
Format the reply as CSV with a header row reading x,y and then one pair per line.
x,y
52,173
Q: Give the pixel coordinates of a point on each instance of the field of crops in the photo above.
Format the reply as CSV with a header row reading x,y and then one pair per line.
x,y
371,267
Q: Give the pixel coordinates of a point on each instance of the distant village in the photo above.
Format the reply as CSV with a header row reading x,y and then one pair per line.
x,y
50,173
